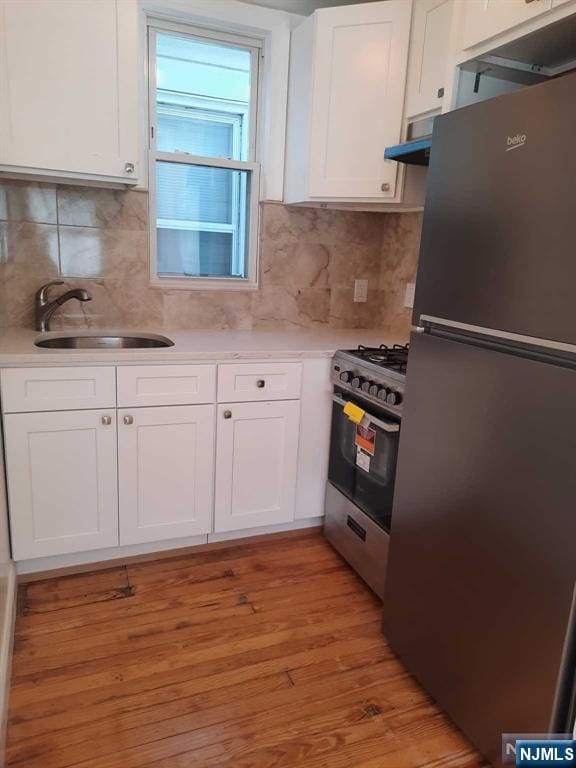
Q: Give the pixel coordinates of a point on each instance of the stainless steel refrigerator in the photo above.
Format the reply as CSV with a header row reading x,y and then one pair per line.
x,y
481,574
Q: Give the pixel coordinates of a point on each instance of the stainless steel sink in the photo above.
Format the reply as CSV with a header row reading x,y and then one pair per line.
x,y
105,341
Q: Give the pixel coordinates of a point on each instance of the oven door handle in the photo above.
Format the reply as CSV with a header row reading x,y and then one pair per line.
x,y
387,426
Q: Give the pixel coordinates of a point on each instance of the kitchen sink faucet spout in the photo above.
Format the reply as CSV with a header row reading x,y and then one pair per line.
x,y
44,309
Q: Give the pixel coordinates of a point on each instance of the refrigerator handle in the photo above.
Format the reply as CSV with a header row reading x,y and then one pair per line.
x,y
564,709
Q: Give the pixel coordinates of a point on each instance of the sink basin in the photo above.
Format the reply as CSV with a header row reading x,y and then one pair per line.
x,y
105,341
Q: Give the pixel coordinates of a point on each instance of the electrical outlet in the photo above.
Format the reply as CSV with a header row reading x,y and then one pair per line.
x,y
360,290
409,295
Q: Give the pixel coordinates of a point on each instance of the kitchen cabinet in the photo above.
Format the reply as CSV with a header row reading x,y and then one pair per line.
x,y
140,385
238,382
69,89
58,389
105,456
166,472
345,104
62,482
427,63
256,463
484,19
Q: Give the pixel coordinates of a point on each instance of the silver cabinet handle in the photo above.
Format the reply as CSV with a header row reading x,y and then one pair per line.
x,y
260,383
129,167
128,420
106,420
385,187
227,414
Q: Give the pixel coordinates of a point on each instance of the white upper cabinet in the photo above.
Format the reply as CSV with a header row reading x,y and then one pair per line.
x,y
69,89
345,104
484,19
166,472
427,63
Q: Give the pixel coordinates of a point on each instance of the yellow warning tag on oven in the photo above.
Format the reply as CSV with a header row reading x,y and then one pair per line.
x,y
354,413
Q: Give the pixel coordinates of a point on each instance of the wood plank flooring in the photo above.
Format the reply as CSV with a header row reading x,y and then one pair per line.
x,y
260,655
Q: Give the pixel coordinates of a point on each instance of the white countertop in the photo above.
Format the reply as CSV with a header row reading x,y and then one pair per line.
x,y
17,347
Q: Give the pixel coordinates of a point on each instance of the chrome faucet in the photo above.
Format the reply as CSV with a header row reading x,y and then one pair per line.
x,y
44,309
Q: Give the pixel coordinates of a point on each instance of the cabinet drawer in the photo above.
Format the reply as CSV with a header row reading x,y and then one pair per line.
x,y
57,389
166,385
258,381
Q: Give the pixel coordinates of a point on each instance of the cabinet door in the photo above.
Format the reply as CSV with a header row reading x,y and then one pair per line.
x,y
428,55
484,19
256,456
69,88
166,472
62,482
357,98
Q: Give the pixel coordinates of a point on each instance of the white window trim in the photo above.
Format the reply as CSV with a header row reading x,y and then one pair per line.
x,y
253,168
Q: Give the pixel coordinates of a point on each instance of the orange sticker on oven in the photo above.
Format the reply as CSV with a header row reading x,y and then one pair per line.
x,y
366,439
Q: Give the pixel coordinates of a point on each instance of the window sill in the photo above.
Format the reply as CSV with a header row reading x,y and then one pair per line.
x,y
203,284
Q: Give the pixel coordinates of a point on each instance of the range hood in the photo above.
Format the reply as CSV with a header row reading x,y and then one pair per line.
x,y
416,150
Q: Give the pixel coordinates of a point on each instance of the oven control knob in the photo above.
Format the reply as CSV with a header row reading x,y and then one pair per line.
x,y
345,376
382,393
393,398
366,384
373,389
357,382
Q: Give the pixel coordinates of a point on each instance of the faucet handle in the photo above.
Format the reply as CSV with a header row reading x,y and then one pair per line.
x,y
42,293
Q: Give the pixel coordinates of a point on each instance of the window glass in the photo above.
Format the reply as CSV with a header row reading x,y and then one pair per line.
x,y
201,220
203,88
203,101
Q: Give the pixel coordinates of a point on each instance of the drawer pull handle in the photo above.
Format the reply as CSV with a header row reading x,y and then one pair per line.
x,y
260,383
106,420
358,530
227,414
128,420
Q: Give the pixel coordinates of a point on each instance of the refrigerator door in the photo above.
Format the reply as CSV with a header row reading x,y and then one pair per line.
x,y
482,563
499,235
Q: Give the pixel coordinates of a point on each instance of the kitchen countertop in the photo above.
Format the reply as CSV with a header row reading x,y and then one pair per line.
x,y
17,347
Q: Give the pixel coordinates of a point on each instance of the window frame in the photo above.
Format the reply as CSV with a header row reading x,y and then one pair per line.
x,y
250,165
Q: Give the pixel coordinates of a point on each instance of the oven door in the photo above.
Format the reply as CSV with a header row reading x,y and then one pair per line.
x,y
363,461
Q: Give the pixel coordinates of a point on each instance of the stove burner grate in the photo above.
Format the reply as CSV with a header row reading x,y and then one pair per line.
x,y
394,357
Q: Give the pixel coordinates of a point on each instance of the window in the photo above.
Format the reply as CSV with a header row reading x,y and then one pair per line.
x,y
203,175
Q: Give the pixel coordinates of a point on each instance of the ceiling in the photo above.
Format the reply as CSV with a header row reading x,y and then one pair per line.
x,y
303,7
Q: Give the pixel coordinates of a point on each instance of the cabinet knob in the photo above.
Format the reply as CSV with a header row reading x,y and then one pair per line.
x,y
129,167
260,383
440,93
128,420
385,187
227,414
106,420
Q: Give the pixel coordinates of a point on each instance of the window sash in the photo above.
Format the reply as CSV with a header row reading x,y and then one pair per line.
x,y
234,41
205,283
252,168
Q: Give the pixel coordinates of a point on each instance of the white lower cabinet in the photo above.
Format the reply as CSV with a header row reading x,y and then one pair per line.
x,y
256,464
166,472
62,481
99,478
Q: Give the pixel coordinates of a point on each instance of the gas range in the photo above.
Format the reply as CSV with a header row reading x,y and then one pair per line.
x,y
373,374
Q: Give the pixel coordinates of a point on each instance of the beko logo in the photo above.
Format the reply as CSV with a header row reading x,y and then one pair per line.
x,y
515,142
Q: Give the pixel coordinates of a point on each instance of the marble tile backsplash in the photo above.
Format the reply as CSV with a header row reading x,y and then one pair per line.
x,y
98,239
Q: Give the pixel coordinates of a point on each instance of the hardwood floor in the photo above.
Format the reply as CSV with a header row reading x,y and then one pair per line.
x,y
265,655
